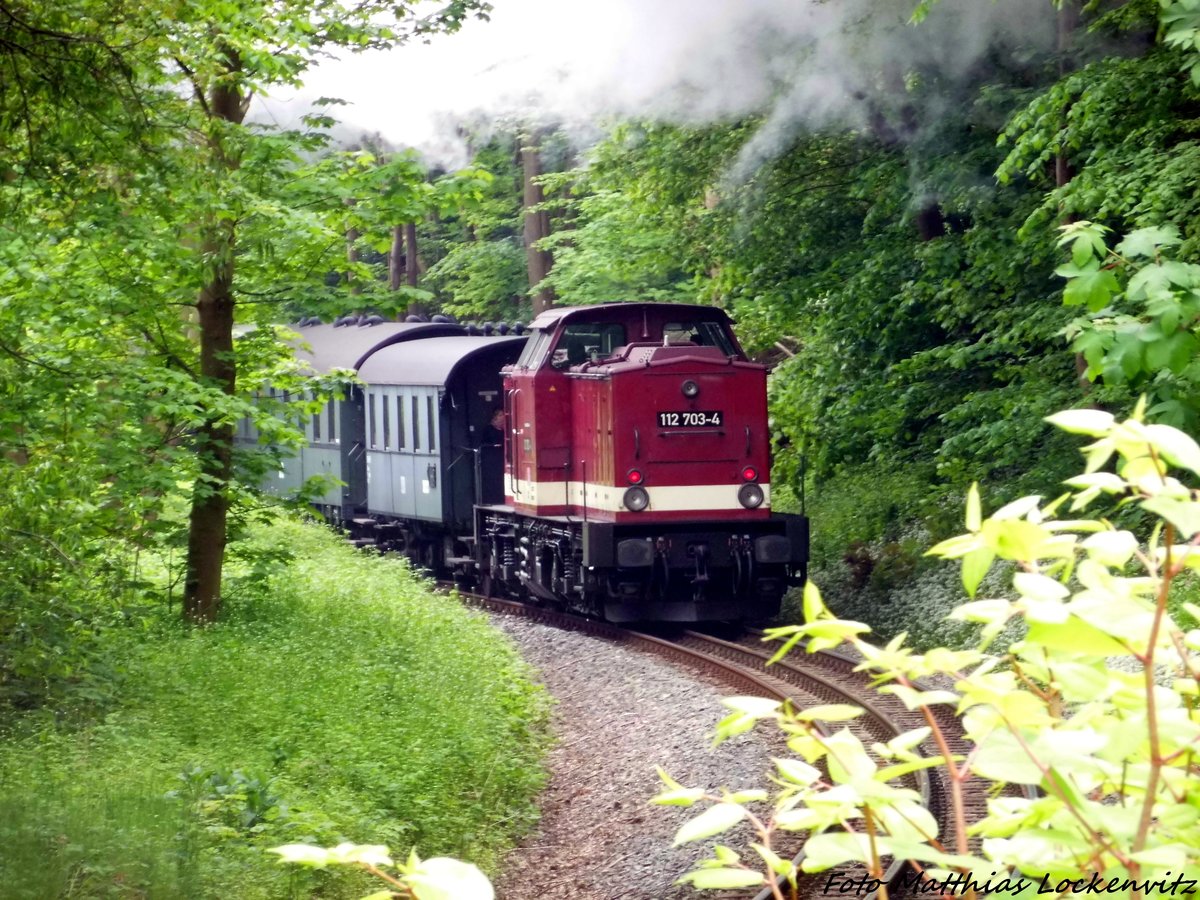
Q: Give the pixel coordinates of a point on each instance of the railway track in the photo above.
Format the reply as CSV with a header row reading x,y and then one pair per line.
x,y
805,680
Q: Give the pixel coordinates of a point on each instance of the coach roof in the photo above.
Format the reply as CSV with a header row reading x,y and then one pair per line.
x,y
433,361
349,346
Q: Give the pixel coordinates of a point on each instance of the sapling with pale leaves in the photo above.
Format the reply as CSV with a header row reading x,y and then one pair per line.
x,y
440,878
1110,747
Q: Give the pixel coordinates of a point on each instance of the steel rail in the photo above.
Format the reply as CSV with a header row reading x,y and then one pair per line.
x,y
822,678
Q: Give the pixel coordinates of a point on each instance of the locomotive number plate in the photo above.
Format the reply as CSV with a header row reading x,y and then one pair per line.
x,y
690,419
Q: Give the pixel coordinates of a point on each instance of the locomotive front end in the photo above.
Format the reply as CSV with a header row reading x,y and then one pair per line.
x,y
638,461
679,511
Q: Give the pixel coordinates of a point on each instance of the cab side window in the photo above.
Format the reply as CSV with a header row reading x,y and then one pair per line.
x,y
584,340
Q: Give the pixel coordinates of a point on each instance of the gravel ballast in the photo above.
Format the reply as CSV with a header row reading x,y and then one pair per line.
x,y
620,712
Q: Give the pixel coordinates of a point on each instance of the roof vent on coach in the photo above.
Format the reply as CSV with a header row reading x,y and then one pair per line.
x,y
519,328
368,321
415,320
442,320
343,321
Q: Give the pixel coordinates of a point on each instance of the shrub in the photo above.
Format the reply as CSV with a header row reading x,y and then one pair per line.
x,y
339,700
1110,743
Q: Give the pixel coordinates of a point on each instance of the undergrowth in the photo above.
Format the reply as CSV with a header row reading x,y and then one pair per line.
x,y
338,700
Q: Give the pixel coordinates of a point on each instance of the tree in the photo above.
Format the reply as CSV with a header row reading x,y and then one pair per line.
x,y
537,224
227,57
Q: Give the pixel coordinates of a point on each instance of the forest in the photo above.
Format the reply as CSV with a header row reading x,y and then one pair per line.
x,y
963,247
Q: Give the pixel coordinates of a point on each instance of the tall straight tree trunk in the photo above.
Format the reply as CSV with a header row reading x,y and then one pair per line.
x,y
396,259
412,262
352,257
403,265
537,224
207,522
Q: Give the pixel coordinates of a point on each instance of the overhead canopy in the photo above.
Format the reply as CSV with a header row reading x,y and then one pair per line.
x,y
433,361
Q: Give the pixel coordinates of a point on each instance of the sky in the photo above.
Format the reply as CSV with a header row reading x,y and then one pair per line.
x,y
576,62
529,47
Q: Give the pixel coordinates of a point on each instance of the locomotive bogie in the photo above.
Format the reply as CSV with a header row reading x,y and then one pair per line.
x,y
686,572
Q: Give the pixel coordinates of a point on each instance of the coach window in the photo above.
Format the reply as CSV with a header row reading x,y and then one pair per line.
x,y
400,424
371,420
416,420
430,423
316,425
386,402
333,417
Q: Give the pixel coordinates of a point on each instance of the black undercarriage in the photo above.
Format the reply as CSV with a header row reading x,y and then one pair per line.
x,y
657,572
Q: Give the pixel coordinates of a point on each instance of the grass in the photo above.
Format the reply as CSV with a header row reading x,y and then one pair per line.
x,y
339,699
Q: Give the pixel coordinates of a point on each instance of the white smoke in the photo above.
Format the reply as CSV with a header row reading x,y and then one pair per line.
x,y
801,62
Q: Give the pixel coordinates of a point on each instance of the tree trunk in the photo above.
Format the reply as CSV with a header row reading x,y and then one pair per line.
x,y
352,258
537,225
412,262
412,267
396,258
214,442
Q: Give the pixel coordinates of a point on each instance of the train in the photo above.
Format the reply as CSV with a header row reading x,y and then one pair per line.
x,y
612,460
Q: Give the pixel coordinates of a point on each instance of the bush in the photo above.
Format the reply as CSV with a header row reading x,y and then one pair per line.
x,y
1095,705
339,700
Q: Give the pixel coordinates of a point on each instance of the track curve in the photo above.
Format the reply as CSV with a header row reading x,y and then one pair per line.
x,y
805,680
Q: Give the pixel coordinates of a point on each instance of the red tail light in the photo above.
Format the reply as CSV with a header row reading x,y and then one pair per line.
x,y
634,476
749,474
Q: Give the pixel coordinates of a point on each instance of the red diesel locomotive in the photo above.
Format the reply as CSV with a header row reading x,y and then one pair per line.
x,y
636,462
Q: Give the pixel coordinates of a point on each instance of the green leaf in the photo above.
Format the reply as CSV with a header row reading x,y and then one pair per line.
x,y
678,797
714,820
975,566
1175,447
749,796
829,712
814,606
442,878
1147,241
1183,514
1074,636
797,772
758,707
824,851
1092,422
1000,758
303,854
1093,288
722,879
974,514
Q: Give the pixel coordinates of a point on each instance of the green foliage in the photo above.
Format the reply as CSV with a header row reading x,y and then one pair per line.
x,y
1143,315
483,280
1094,705
439,878
340,700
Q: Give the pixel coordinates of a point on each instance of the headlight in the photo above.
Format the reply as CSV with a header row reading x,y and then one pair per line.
x,y
750,496
636,499
690,389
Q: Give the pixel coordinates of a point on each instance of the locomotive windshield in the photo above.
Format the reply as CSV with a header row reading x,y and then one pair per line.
x,y
535,349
